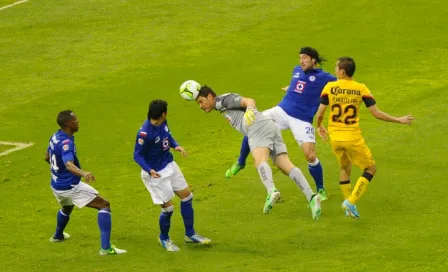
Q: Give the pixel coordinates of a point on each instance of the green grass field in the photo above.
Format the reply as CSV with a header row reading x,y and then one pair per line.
x,y
107,59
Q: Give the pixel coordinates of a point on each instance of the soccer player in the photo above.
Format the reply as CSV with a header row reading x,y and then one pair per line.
x,y
265,139
344,97
296,112
162,176
68,188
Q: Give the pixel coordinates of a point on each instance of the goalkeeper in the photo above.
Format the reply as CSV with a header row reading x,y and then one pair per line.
x,y
265,139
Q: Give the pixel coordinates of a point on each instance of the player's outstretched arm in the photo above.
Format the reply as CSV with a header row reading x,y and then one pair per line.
x,y
88,176
181,150
378,114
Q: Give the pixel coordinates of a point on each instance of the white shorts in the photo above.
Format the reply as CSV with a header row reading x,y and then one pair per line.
x,y
303,131
162,189
80,195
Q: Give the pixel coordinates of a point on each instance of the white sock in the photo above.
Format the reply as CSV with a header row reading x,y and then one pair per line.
x,y
316,162
265,172
297,176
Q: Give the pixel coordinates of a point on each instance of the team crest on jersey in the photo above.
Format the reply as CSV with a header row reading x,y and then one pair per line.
x,y
65,147
140,141
157,139
165,144
312,78
300,86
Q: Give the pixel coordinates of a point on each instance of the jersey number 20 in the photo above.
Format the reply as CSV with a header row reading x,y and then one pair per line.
x,y
337,111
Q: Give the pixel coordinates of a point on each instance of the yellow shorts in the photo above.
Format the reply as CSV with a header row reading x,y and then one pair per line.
x,y
355,152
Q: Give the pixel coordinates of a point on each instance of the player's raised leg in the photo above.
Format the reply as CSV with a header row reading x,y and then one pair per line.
x,y
315,168
62,220
105,225
241,163
261,156
282,161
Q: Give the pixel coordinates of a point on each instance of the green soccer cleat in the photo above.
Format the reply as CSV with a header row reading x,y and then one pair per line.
x,y
232,171
315,206
323,194
57,240
272,198
112,251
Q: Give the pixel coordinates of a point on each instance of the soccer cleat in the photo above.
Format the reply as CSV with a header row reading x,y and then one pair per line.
x,y
347,213
323,194
112,251
272,198
57,240
197,239
315,205
232,171
350,208
169,245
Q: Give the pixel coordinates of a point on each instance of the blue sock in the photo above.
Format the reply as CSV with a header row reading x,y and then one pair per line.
x,y
316,172
186,209
165,222
105,224
244,151
61,224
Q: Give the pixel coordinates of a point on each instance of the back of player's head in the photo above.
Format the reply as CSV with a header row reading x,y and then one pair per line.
x,y
312,53
157,108
205,91
64,118
348,65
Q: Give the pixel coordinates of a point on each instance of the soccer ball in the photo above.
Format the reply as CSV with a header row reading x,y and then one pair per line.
x,y
189,90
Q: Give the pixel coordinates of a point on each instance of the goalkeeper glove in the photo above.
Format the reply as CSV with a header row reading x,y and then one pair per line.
x,y
249,116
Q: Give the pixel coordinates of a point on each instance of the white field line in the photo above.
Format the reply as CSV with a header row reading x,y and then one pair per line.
x,y
13,4
18,146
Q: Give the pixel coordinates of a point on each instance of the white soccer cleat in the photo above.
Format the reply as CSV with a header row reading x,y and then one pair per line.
x,y
112,251
315,205
56,240
169,245
197,239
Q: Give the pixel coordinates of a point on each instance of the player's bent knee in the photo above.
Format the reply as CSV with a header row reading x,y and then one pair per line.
x,y
371,170
189,197
367,176
67,210
311,157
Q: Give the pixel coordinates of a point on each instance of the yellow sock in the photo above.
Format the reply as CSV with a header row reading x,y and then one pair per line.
x,y
359,190
346,188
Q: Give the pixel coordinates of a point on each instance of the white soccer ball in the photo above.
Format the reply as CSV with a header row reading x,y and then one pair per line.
x,y
189,90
